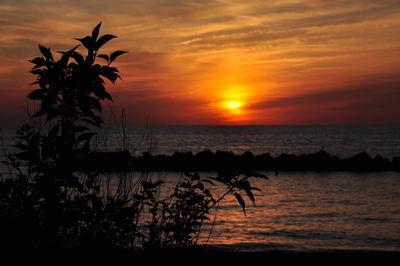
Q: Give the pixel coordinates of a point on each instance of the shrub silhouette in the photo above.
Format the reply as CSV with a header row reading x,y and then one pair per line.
x,y
50,204
177,220
66,207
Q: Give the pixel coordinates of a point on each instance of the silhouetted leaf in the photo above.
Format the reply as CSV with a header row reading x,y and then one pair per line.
x,y
103,40
36,94
73,49
115,54
104,56
107,96
254,174
69,51
199,186
241,202
37,71
95,32
113,69
46,52
250,195
99,90
78,58
64,60
38,61
109,73
207,193
88,42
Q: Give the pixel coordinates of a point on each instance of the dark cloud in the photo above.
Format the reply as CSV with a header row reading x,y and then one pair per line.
x,y
340,17
18,48
374,94
145,60
164,109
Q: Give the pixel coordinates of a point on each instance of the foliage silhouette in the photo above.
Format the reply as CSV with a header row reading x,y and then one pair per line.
x,y
68,209
177,221
50,204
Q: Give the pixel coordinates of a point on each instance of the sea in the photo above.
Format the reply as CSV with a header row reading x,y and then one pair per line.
x,y
307,212
339,140
294,211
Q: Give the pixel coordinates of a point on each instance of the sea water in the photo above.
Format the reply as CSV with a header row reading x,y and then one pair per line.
x,y
340,140
308,211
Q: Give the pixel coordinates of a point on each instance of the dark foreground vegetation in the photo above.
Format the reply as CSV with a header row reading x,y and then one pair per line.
x,y
215,161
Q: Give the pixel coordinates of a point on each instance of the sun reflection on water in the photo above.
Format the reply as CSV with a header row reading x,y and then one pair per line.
x,y
308,211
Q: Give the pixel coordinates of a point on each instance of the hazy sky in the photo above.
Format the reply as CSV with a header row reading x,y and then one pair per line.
x,y
221,61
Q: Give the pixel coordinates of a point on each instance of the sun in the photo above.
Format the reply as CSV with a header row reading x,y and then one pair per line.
x,y
234,106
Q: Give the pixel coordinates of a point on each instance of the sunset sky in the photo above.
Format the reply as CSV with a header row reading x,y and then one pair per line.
x,y
221,62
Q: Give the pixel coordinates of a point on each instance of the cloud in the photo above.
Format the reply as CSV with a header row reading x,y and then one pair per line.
x,y
240,37
374,95
299,20
164,109
340,17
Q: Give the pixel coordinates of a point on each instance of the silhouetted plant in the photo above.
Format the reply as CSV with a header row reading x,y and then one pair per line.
x,y
69,211
238,181
177,220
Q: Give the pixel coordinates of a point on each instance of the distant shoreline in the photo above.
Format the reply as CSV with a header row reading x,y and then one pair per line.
x,y
214,161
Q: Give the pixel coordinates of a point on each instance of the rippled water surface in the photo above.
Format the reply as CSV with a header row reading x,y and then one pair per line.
x,y
312,211
343,141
